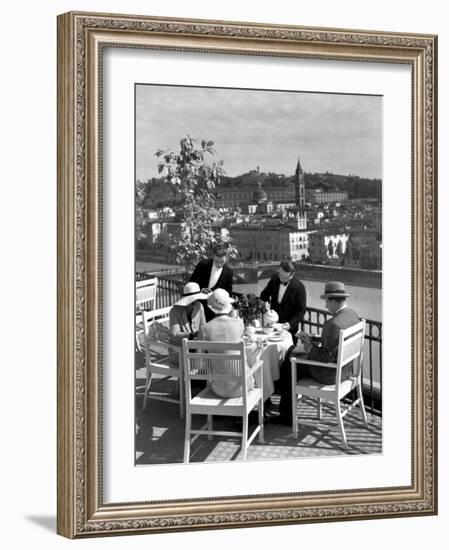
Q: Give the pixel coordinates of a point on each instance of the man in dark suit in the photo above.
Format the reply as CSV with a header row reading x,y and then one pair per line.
x,y
213,273
287,296
325,351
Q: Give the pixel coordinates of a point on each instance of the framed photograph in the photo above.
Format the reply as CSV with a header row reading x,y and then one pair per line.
x,y
260,192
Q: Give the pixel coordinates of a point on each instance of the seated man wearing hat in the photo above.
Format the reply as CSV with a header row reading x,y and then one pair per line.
x,y
223,328
325,351
187,314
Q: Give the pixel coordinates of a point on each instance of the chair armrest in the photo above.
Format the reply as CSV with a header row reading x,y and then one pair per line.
x,y
299,360
167,348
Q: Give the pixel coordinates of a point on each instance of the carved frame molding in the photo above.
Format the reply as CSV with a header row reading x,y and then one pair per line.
x,y
81,38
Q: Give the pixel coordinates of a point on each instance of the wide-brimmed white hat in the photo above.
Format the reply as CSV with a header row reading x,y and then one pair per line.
x,y
190,293
220,301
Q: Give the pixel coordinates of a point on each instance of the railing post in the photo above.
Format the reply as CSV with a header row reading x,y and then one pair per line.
x,y
371,369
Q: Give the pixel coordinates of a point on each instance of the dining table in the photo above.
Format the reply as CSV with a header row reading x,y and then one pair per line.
x,y
271,349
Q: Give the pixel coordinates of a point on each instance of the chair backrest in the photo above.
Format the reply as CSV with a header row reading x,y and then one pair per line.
x,y
214,361
156,327
146,293
350,348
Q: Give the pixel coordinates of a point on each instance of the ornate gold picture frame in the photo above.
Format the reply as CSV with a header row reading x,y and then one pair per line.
x,y
82,40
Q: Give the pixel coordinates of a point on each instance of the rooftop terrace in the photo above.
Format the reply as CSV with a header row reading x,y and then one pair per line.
x,y
160,431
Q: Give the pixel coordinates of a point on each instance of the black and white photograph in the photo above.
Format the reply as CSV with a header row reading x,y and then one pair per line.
x,y
258,235
224,211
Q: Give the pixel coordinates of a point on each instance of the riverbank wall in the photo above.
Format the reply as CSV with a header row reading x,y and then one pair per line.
x,y
347,275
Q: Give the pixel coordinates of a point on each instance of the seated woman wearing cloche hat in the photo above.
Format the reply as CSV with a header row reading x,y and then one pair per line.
x,y
223,328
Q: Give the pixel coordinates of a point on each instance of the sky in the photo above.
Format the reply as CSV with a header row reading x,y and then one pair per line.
x,y
334,133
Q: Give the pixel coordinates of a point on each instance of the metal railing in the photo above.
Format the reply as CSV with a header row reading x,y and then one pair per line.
x,y
170,290
176,271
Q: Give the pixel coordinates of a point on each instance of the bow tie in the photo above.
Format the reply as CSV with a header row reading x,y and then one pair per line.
x,y
284,284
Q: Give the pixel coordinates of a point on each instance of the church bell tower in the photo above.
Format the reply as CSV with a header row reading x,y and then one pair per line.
x,y
300,188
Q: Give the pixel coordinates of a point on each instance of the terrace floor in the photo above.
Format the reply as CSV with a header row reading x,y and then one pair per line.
x,y
160,433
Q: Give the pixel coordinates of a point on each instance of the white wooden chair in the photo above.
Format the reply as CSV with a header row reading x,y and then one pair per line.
x,y
350,348
221,362
145,301
162,358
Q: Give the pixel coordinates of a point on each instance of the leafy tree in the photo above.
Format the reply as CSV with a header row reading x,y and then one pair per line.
x,y
140,199
194,180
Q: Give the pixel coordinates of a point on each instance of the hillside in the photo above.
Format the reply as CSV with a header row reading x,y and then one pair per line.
x,y
158,193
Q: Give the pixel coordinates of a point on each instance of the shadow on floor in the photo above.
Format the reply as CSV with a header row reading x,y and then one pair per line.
x,y
46,522
160,433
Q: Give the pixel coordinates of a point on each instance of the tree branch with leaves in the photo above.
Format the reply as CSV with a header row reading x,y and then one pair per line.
x,y
195,180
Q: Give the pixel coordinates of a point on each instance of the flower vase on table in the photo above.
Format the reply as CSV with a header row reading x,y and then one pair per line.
x,y
251,308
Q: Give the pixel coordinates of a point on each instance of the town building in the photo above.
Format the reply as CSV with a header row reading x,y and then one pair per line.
x,y
327,246
156,228
271,240
318,196
292,193
364,249
152,214
377,218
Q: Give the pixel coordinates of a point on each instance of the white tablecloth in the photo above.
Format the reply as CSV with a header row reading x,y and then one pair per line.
x,y
272,355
